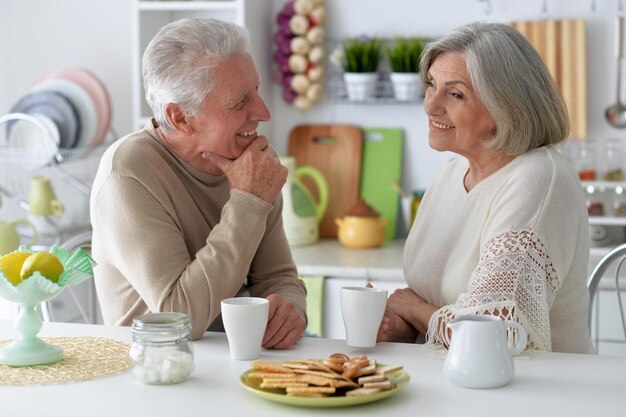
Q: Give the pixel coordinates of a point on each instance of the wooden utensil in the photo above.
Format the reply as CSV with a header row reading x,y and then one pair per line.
x,y
336,151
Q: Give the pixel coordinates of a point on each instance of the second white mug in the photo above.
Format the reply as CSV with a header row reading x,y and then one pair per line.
x,y
362,309
245,320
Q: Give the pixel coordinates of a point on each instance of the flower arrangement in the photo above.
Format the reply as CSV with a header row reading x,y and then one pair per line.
x,y
404,54
299,52
361,54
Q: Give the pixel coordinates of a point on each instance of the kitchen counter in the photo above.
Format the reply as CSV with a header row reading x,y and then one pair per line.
x,y
545,384
329,258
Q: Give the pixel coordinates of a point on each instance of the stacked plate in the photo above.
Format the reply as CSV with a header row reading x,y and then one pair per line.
x,y
74,101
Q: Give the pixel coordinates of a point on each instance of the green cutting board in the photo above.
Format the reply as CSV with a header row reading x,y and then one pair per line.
x,y
380,167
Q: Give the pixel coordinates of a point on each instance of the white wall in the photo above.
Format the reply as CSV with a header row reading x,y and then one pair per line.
x,y
37,35
434,18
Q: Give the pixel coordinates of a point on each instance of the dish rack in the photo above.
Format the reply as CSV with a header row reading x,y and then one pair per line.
x,y
71,172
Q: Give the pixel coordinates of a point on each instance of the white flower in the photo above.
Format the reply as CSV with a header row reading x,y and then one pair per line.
x,y
336,57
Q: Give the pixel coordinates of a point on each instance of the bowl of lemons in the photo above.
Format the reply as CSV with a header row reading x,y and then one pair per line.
x,y
29,278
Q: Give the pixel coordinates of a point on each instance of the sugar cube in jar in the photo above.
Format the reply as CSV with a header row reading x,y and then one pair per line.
x,y
162,351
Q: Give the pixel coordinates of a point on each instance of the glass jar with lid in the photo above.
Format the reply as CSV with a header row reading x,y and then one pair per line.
x,y
162,351
614,159
619,202
595,198
587,161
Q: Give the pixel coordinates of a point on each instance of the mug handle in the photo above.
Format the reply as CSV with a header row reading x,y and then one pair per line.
x,y
32,228
322,188
522,338
57,207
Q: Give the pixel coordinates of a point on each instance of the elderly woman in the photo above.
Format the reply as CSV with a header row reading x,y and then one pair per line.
x,y
502,230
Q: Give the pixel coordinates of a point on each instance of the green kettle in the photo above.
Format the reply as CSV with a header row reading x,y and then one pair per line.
x,y
302,214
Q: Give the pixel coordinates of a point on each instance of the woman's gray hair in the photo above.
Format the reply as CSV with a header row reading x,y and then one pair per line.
x,y
178,63
513,83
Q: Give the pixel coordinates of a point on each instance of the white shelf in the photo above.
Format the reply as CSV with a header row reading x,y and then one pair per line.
x,y
604,184
602,250
150,16
187,5
607,221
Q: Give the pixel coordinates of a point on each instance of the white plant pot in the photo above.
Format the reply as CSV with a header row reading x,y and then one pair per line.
x,y
360,85
407,86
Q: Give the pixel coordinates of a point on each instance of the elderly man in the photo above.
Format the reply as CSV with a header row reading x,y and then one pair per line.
x,y
187,211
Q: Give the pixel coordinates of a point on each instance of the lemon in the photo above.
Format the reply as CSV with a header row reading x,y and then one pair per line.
x,y
11,265
46,263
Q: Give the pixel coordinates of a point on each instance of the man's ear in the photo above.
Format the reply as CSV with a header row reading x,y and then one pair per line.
x,y
178,119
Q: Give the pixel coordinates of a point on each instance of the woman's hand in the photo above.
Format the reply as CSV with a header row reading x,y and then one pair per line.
x,y
394,329
406,314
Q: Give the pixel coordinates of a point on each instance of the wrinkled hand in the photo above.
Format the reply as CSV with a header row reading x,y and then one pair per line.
x,y
257,170
284,327
394,329
396,325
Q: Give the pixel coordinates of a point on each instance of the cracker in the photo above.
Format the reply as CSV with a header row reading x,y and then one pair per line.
x,y
362,392
311,390
387,369
372,378
367,370
316,380
296,365
269,366
262,374
307,364
340,383
299,394
277,383
320,373
383,385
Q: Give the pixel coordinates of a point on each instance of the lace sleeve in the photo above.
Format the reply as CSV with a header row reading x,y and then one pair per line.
x,y
514,280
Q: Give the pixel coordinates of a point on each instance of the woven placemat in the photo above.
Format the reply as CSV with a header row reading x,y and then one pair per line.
x,y
84,358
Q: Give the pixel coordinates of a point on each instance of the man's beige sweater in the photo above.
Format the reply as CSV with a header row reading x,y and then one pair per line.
x,y
169,237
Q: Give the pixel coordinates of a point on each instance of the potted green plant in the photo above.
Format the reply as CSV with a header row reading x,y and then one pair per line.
x,y
360,60
404,58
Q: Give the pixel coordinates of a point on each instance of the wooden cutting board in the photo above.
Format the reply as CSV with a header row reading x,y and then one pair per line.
x,y
381,167
336,151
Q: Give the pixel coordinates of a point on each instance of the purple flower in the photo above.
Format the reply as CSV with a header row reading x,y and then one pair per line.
x,y
289,95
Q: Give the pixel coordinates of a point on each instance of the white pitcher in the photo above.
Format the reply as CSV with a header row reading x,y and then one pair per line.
x,y
479,355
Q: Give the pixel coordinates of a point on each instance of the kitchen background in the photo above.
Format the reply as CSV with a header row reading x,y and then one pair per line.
x,y
38,35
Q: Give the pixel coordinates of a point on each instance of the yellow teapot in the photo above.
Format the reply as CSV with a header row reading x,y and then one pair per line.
x,y
361,227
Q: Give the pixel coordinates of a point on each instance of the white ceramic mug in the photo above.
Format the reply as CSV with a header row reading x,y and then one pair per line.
x,y
245,320
362,309
479,355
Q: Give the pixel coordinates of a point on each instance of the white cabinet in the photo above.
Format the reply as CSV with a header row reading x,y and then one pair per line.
x,y
606,329
150,16
333,321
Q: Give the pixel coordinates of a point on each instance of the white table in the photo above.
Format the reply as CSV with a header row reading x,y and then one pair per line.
x,y
546,384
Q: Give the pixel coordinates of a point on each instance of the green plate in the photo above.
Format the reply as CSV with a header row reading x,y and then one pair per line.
x,y
400,378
